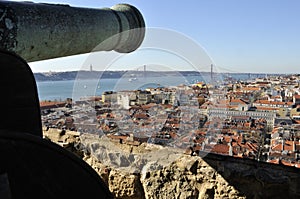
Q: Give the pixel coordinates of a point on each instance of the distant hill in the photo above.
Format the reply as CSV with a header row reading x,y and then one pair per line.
x,y
72,75
55,76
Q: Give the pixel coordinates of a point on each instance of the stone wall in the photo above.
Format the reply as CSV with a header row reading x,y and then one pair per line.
x,y
257,179
212,177
150,171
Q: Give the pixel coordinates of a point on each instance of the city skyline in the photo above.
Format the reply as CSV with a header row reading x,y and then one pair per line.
x,y
239,36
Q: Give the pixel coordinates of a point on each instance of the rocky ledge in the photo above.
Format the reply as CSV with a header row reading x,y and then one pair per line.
x,y
152,171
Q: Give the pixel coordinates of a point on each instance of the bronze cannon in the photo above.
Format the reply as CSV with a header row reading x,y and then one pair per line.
x,y
38,31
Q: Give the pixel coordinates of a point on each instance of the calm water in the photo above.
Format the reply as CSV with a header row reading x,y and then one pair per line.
x,y
76,89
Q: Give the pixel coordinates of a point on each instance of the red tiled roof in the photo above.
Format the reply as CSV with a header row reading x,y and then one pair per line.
x,y
247,124
220,149
252,146
47,103
267,108
167,105
277,147
236,100
250,88
148,106
275,161
297,96
272,102
227,139
141,116
287,163
289,145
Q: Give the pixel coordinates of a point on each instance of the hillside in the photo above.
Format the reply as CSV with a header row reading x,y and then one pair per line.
x,y
72,75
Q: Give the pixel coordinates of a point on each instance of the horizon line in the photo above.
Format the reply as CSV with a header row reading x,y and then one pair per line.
x,y
215,72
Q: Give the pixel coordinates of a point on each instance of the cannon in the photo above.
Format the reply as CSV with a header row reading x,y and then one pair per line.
x,y
30,165
39,31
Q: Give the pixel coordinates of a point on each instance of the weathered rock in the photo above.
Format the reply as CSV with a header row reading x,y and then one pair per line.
x,y
68,139
157,172
139,160
125,185
180,180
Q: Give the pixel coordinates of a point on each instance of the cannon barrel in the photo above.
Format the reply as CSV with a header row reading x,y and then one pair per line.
x,y
39,31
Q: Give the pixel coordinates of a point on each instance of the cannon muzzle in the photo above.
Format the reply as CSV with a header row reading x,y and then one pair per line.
x,y
38,31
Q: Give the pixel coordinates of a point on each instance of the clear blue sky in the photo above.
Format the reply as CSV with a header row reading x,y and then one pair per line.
x,y
239,35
